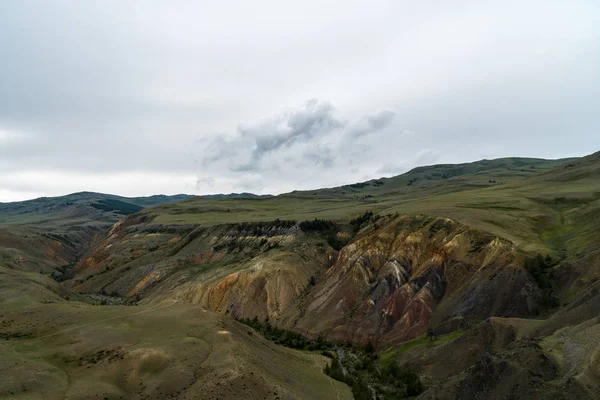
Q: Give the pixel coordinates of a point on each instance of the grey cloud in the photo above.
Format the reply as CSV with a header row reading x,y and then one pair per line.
x,y
322,157
311,135
244,167
314,118
221,147
371,123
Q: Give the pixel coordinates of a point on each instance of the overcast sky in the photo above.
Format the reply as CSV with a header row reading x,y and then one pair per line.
x,y
148,97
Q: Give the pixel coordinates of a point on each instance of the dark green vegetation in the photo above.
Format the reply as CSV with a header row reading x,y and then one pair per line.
x,y
357,367
540,268
370,379
328,229
117,206
337,236
319,225
285,337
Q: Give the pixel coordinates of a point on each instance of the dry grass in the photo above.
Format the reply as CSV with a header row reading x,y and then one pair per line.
x,y
167,350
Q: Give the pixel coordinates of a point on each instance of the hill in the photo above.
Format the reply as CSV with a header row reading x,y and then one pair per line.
x,y
482,278
445,247
79,207
49,233
54,348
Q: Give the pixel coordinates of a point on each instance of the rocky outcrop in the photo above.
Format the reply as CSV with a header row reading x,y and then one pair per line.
x,y
397,277
250,269
402,275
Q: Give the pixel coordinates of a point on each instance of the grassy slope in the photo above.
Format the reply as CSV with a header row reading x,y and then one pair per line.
x,y
54,349
520,208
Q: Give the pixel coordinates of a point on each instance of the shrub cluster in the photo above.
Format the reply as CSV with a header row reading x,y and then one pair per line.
x,y
318,225
336,242
64,239
361,372
359,367
286,338
62,273
327,228
540,269
361,220
260,228
358,185
117,206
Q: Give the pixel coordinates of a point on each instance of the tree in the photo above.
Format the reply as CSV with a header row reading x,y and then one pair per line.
x,y
431,334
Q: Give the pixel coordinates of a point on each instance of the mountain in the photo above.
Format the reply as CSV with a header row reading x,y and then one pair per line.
x,y
480,279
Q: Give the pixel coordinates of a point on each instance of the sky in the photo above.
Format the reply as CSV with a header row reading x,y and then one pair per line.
x,y
149,97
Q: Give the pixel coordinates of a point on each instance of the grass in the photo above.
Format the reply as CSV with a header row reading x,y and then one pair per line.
x,y
503,210
166,350
421,342
196,270
504,197
461,192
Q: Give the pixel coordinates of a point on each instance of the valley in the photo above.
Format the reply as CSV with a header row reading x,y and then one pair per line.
x,y
436,271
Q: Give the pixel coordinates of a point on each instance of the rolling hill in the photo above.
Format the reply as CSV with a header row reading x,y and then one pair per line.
x,y
78,207
482,278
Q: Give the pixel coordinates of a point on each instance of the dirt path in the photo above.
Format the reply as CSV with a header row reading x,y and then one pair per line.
x,y
330,379
72,328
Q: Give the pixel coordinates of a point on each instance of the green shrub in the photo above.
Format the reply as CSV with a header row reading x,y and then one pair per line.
x,y
361,220
286,338
337,243
117,206
359,370
318,225
539,268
